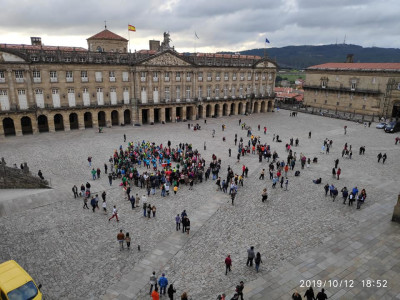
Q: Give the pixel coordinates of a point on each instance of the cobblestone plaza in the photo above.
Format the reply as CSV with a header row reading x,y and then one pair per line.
x,y
75,255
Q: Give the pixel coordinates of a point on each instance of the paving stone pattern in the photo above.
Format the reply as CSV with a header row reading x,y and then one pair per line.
x,y
75,255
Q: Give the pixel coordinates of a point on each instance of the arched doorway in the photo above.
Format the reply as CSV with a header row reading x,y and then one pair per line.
x,y
240,109
145,116
216,110
189,112
114,118
225,111
232,112
396,110
263,106
26,125
208,111
270,106
248,107
101,117
73,121
58,122
255,109
88,120
127,116
43,125
8,127
200,111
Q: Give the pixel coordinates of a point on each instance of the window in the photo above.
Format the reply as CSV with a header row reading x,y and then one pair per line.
x,y
398,86
209,92
82,59
365,97
263,76
50,58
19,76
111,74
373,80
200,92
218,76
242,76
337,78
36,77
353,85
200,76
142,76
167,93
350,105
178,77
226,76
125,76
69,76
217,91
155,76
234,76
248,75
34,58
2,76
233,91
241,91
178,92
337,103
323,84
315,100
225,91
99,76
363,107
187,92
209,76
53,76
84,76
269,76
326,101
351,96
316,92
338,95
188,76
67,59
166,76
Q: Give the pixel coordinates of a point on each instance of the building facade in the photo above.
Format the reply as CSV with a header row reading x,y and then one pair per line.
x,y
358,88
47,88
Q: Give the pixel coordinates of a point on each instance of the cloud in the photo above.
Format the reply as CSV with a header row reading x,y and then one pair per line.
x,y
221,25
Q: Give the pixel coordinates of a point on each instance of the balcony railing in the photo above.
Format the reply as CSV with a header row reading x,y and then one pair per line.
x,y
84,79
112,79
342,89
53,79
70,79
166,79
35,80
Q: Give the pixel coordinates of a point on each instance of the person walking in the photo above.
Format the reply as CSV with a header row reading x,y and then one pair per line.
x,y
178,222
124,137
258,261
309,294
326,188
262,174
286,184
163,283
153,281
90,161
379,157
110,178
338,172
93,174
264,195
115,214
171,292
132,200
85,201
228,264
187,225
384,157
155,295
128,240
239,290
104,205
105,169
321,295
250,256
75,191
120,239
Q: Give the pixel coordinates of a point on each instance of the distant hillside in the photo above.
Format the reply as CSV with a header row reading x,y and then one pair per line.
x,y
300,57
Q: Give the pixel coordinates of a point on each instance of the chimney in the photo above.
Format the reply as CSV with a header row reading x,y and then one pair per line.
x,y
349,58
154,45
36,41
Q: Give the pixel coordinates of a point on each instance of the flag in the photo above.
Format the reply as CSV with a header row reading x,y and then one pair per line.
x,y
195,34
131,28
266,40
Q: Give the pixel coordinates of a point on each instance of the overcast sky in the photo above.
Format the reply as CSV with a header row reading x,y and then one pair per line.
x,y
221,25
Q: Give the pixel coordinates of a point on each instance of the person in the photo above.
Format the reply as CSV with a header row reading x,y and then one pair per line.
x,y
379,157
163,283
40,174
309,294
339,171
296,296
228,264
321,295
110,178
93,203
262,174
336,163
333,172
93,174
317,181
144,209
264,195
90,161
250,256
184,296
345,129
258,261
153,281
85,201
384,157
187,225
115,214
121,238
104,205
171,292
75,191
309,135
326,188
128,240
155,295
124,137
345,194
286,183
239,289
178,222
154,209
132,199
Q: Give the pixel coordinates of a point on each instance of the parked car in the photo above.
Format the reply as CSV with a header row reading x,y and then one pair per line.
x,y
15,283
392,127
381,125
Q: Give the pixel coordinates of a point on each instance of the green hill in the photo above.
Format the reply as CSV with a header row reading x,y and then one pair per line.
x,y
300,57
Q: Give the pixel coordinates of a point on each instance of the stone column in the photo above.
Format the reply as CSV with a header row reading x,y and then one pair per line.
x,y
212,109
151,115
81,120
121,116
67,125
50,122
18,127
396,211
220,107
29,93
1,129
139,117
108,119
173,114
34,121
95,119
162,114
11,89
184,116
235,109
194,113
135,116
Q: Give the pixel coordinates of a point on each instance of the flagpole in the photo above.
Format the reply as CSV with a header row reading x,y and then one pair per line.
x,y
129,40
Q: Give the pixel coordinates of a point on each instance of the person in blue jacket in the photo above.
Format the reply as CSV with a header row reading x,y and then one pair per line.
x,y
163,283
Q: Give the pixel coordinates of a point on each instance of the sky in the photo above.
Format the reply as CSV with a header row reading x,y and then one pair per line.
x,y
221,25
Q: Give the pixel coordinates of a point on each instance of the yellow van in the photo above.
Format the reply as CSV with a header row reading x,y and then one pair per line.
x,y
16,284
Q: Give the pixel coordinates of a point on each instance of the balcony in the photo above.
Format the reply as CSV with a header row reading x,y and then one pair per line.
x,y
217,78
125,79
155,79
226,78
84,79
99,79
342,89
241,78
53,79
188,79
248,77
200,78
35,80
256,77
234,78
112,79
166,79
70,79
177,79
143,79
208,78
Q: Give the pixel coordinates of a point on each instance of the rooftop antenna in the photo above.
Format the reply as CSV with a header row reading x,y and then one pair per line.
x,y
344,41
105,24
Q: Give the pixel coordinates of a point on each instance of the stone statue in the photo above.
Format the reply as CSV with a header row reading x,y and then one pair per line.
x,y
165,44
3,162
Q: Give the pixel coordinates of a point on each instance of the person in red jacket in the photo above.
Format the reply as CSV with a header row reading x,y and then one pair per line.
x,y
228,264
338,172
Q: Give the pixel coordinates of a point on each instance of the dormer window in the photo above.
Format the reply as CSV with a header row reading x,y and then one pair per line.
x,y
353,85
323,84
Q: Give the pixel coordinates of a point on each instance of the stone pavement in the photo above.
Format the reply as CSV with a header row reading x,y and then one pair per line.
x,y
74,253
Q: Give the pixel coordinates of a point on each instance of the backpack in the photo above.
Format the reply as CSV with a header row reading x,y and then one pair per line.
x,y
297,173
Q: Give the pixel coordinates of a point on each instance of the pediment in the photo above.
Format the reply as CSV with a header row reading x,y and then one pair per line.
x,y
8,57
166,59
265,64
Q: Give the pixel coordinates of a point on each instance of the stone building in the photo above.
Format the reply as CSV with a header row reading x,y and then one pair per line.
x,y
361,88
50,88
